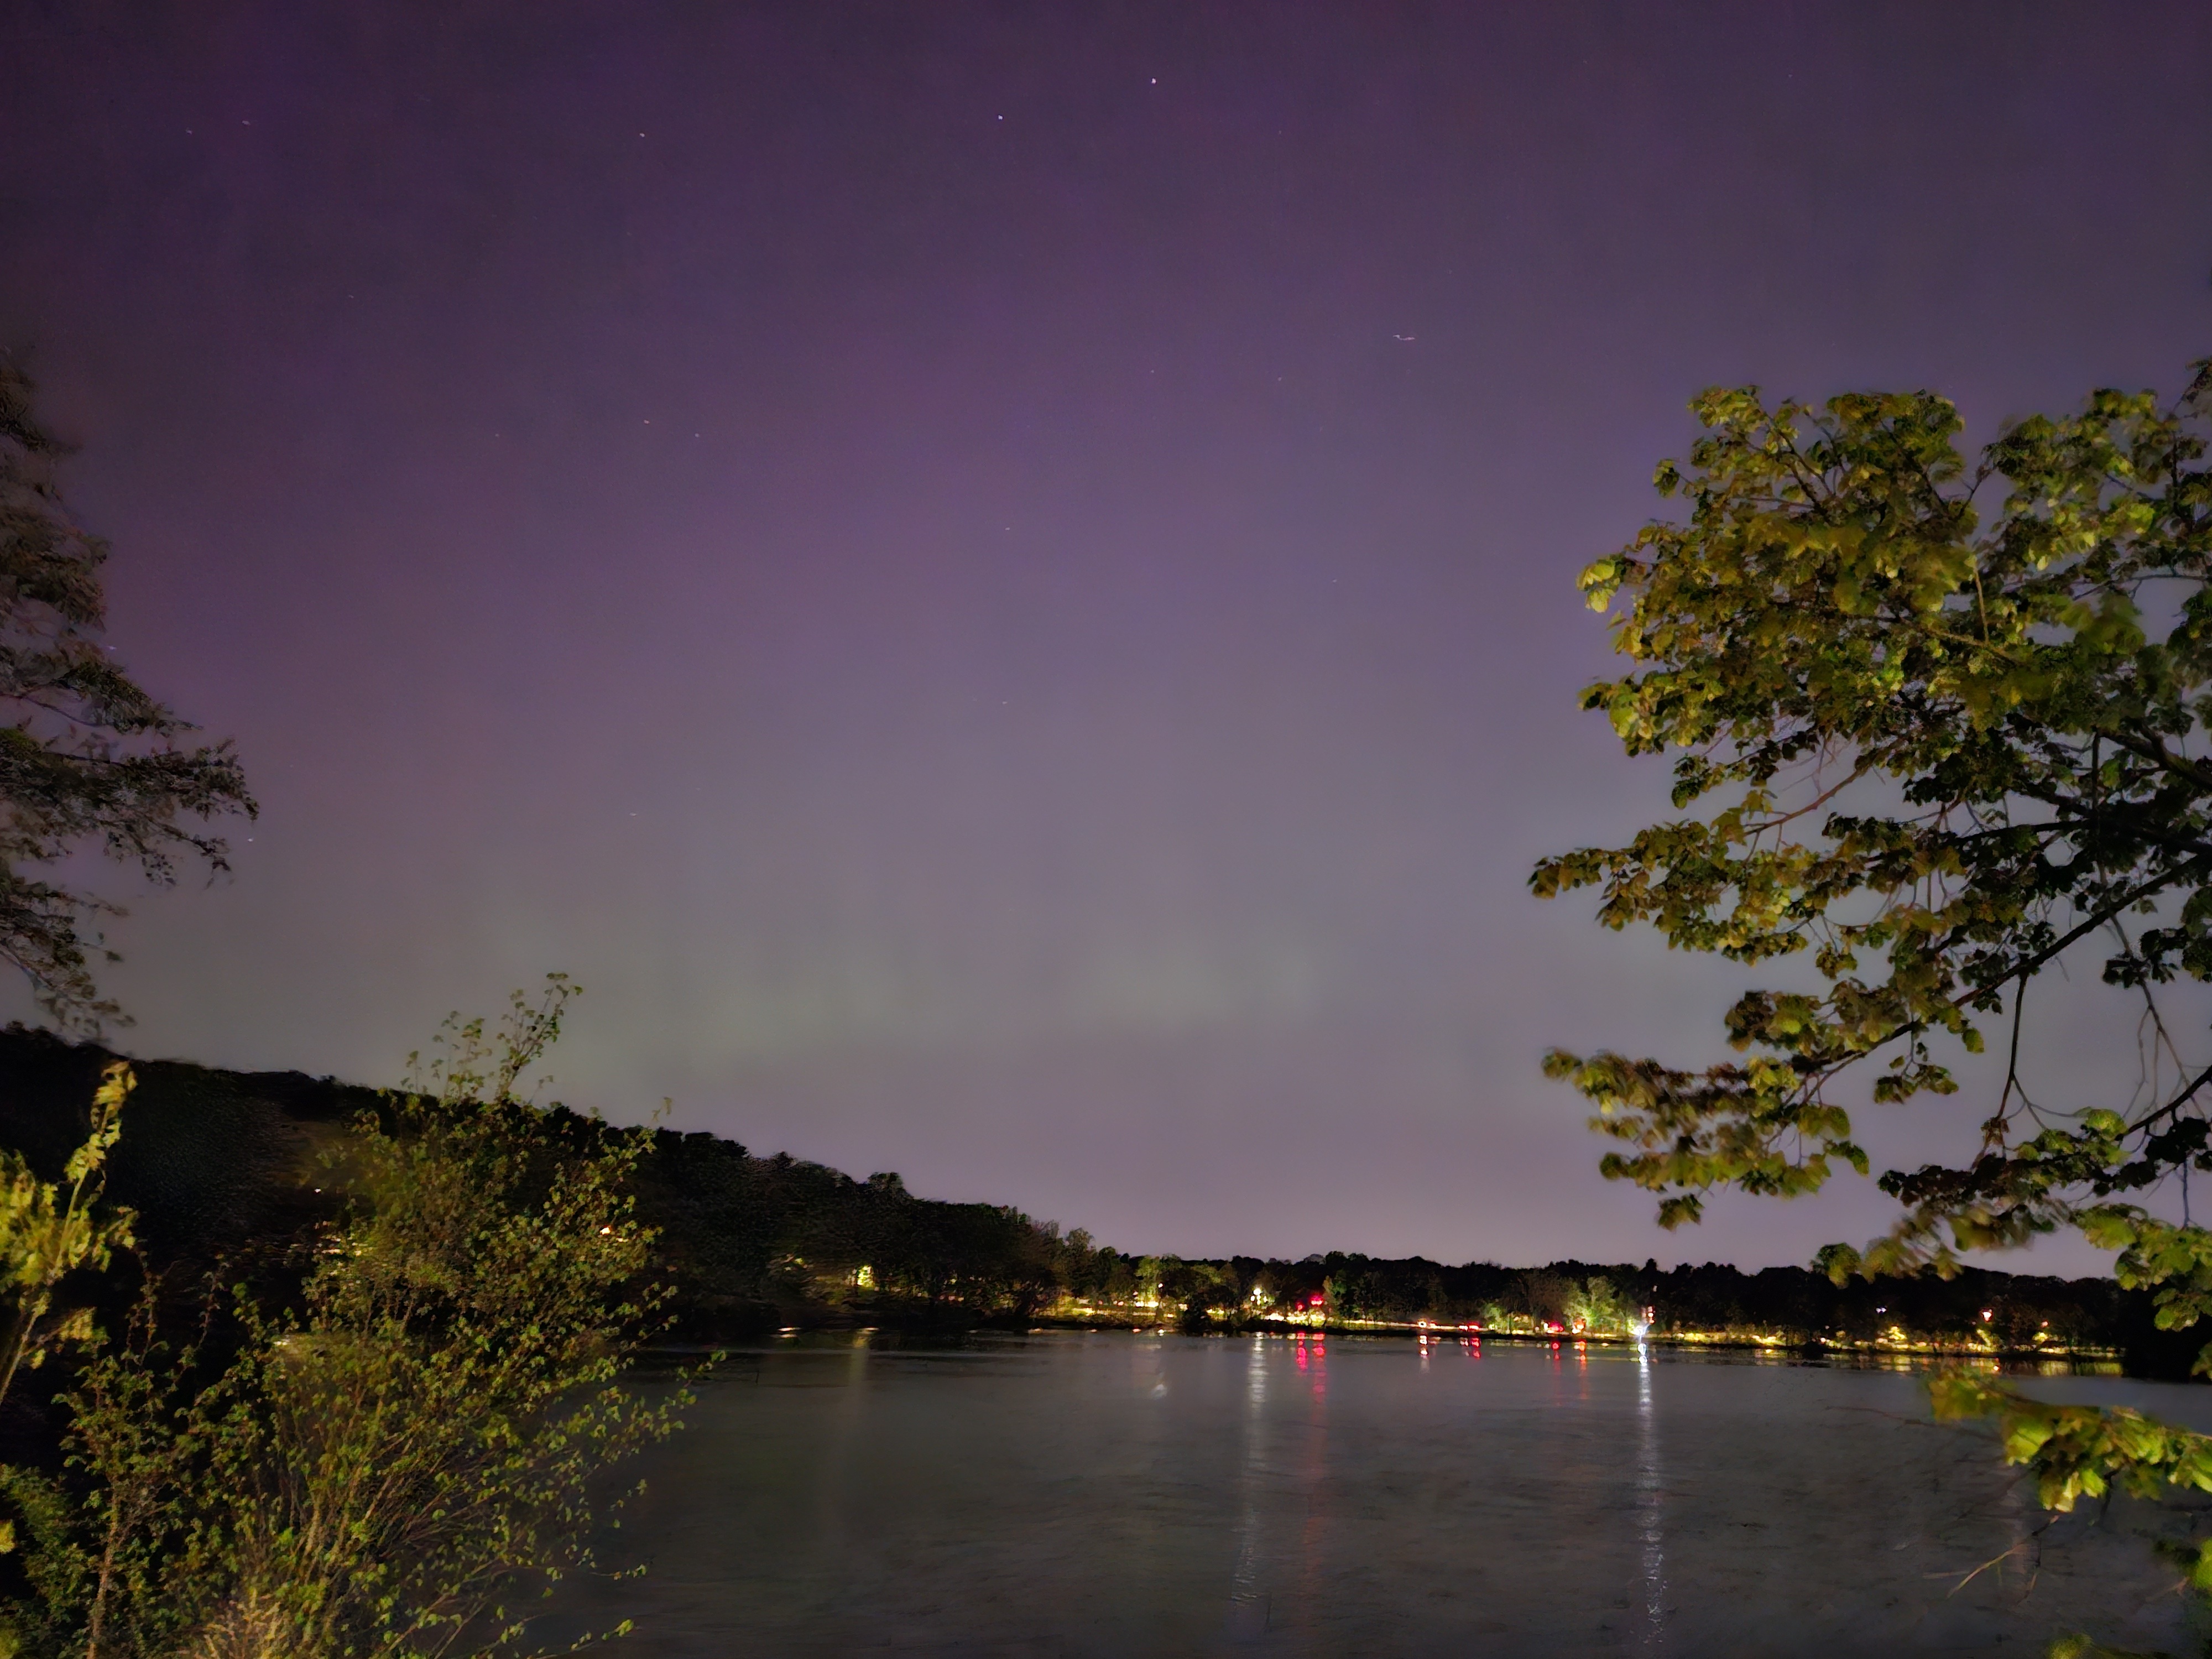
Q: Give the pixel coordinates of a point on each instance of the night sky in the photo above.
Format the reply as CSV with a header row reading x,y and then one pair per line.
x,y
998,582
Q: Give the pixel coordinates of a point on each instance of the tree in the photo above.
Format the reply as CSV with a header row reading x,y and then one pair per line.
x,y
88,758
49,1230
1595,1304
411,1448
1947,726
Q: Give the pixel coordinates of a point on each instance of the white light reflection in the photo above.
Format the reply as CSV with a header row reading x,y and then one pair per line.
x,y
1648,1498
1248,1604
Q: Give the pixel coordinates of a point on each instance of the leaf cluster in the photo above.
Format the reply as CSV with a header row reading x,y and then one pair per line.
x,y
2081,1451
1943,723
1936,741
50,1229
88,758
404,1458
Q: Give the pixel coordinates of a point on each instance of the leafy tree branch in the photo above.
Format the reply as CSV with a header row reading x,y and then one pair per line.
x,y
88,759
2011,666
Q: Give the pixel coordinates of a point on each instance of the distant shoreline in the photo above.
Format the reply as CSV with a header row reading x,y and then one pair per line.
x,y
1435,1331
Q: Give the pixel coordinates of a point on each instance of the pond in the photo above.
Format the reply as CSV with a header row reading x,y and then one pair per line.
x,y
1111,1493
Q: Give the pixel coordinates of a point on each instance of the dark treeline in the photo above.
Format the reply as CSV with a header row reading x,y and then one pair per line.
x,y
2013,1311
223,1167
219,1163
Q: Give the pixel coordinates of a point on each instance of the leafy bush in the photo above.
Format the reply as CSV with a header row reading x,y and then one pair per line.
x,y
394,1461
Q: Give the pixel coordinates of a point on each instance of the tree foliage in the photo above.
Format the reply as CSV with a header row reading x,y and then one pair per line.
x,y
413,1447
48,1230
398,1458
1942,724
88,758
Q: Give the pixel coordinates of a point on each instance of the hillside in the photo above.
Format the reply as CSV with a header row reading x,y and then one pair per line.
x,y
222,1166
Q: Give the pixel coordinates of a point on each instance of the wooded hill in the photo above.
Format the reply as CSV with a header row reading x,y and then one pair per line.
x,y
225,1169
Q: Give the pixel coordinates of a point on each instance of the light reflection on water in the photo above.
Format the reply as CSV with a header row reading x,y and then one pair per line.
x,y
1650,1515
1108,1493
1248,1598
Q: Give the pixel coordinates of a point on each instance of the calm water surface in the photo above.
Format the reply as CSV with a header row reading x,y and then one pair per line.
x,y
1067,1494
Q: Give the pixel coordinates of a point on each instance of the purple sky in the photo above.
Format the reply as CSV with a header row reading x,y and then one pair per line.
x,y
998,582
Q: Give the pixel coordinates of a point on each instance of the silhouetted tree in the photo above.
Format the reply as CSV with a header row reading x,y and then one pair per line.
x,y
87,759
1946,721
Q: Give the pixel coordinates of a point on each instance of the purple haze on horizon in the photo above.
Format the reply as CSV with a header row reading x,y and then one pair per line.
x,y
999,585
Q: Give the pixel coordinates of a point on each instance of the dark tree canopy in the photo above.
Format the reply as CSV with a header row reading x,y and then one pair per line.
x,y
1943,723
88,758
